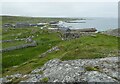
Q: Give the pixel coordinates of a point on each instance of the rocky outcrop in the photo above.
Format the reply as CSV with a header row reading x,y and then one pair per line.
x,y
81,70
56,48
68,36
113,32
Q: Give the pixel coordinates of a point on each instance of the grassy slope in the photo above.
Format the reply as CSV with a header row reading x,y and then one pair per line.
x,y
28,59
85,47
90,47
17,57
14,19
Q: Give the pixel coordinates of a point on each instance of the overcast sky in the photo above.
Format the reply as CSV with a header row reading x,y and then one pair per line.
x,y
61,9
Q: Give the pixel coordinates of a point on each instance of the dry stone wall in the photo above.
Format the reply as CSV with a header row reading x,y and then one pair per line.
x,y
33,44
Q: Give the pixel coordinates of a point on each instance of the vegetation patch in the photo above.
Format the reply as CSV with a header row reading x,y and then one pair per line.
x,y
27,59
45,79
89,47
16,80
91,68
40,72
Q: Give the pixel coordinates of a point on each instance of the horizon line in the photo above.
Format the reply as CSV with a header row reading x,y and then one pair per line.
x,y
56,16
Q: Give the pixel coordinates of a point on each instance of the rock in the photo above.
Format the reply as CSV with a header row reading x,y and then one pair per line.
x,y
94,36
56,48
15,66
10,78
94,76
29,40
33,78
33,44
113,32
5,41
75,71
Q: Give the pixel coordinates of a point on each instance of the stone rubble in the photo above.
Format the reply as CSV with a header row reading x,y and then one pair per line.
x,y
33,44
56,48
113,32
74,71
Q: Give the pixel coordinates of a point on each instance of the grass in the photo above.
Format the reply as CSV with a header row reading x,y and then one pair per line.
x,y
90,68
20,56
40,72
88,47
15,19
85,47
45,79
27,59
15,43
16,80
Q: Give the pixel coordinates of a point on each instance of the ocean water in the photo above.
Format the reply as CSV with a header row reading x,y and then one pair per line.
x,y
101,24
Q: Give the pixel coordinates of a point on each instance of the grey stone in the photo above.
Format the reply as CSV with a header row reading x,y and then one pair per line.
x,y
74,71
56,48
33,44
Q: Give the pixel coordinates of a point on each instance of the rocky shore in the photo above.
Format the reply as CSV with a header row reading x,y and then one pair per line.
x,y
81,70
113,32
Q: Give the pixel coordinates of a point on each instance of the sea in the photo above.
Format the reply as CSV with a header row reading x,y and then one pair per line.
x,y
100,23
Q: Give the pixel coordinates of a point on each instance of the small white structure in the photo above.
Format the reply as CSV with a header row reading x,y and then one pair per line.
x,y
41,24
53,28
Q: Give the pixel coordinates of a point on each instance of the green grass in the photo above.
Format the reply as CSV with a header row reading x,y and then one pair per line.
x,y
15,43
85,47
15,19
27,59
40,72
90,47
45,41
90,68
45,79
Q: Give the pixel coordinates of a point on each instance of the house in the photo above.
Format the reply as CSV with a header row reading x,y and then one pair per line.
x,y
54,25
68,30
41,24
22,25
33,25
87,30
70,35
53,22
7,25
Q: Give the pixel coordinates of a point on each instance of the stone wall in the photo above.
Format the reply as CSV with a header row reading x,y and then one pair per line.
x,y
19,47
56,48
73,35
5,41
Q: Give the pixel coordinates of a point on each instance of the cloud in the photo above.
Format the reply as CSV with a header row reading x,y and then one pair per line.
x,y
69,9
60,0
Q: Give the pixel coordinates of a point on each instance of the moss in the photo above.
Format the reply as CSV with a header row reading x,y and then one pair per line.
x,y
116,78
45,79
40,72
90,68
16,80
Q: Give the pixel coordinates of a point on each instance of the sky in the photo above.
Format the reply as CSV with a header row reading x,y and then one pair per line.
x,y
71,8
59,0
